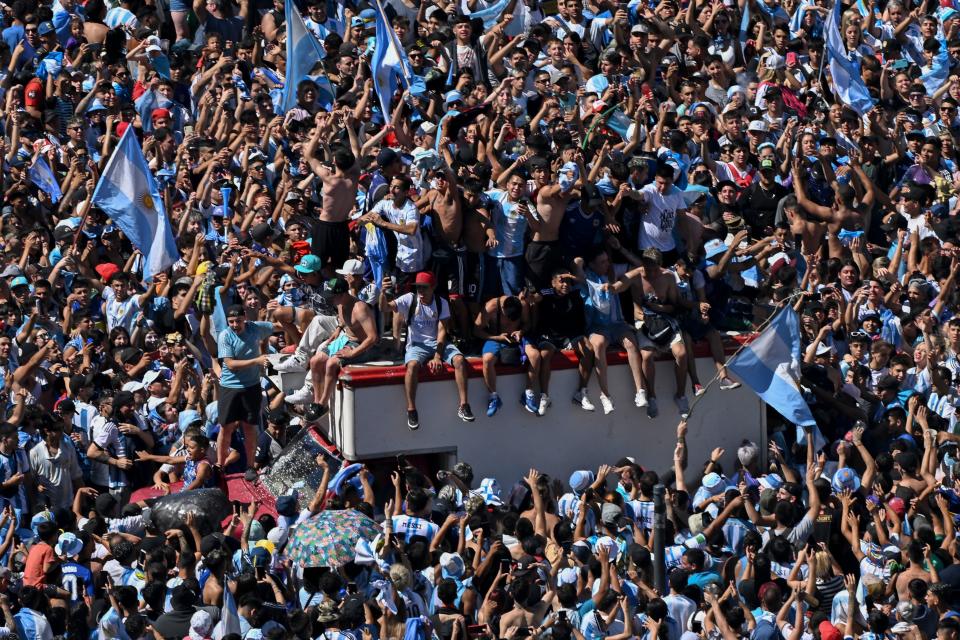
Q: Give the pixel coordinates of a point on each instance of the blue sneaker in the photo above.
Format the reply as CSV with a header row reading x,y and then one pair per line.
x,y
493,405
530,404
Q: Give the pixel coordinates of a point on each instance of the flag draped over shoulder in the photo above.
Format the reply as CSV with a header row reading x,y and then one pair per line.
x,y
128,193
770,365
846,82
303,54
389,64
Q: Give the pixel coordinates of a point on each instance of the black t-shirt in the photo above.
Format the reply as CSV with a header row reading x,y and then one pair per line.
x,y
561,316
759,207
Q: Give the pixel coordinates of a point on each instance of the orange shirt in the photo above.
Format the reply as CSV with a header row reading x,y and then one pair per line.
x,y
39,556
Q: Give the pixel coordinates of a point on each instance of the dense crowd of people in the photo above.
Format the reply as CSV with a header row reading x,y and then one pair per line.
x,y
527,178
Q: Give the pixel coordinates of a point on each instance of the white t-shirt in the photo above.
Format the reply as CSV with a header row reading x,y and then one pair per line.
x,y
660,217
426,318
411,252
122,314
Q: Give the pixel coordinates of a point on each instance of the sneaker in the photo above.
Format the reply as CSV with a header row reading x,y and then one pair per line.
x,y
652,410
314,412
250,475
303,395
465,413
683,406
493,405
530,403
641,398
413,420
727,384
698,390
606,403
544,404
293,364
581,398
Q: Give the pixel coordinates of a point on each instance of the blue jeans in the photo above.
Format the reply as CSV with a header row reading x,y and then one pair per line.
x,y
502,276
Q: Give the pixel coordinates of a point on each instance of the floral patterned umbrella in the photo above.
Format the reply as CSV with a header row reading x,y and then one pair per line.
x,y
329,539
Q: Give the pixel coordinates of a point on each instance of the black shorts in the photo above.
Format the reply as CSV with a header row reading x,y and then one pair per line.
x,y
467,276
443,263
331,241
239,405
543,258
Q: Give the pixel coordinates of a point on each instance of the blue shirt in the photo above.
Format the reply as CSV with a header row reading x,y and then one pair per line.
x,y
76,579
244,346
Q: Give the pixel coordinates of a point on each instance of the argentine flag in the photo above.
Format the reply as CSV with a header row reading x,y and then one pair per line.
x,y
389,63
845,73
770,365
128,193
41,175
303,54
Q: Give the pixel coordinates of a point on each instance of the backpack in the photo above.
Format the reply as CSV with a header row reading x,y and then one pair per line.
x,y
658,328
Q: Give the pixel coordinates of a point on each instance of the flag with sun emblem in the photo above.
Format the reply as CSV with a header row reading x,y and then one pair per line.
x,y
128,193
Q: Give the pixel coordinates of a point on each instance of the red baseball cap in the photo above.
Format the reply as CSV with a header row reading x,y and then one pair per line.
x,y
829,632
107,270
160,113
426,277
121,127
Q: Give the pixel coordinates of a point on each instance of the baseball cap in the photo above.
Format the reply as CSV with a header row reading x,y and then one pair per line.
x,y
845,478
452,96
426,128
335,286
758,125
767,164
427,278
386,157
159,112
309,264
45,28
351,267
19,281
150,377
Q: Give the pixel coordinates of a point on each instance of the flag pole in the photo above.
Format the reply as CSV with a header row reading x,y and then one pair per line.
x,y
763,325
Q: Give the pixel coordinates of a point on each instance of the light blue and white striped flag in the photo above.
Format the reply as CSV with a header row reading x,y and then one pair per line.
x,y
770,365
229,617
389,64
128,193
846,82
41,175
490,15
303,54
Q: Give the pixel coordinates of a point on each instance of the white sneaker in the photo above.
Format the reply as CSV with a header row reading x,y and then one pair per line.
x,y
607,404
641,398
727,384
303,395
581,398
294,364
683,405
545,403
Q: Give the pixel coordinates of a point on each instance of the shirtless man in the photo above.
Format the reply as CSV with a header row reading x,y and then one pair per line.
x,y
543,252
351,344
842,215
500,324
331,236
654,290
811,232
443,205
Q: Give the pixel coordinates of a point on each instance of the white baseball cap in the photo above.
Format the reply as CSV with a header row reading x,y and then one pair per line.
x,y
351,267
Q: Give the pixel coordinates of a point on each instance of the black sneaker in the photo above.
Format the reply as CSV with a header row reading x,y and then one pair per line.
x,y
465,414
413,420
250,475
315,411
